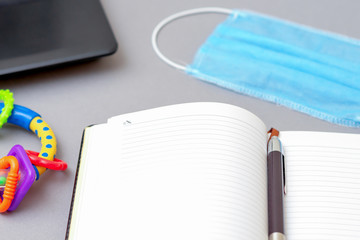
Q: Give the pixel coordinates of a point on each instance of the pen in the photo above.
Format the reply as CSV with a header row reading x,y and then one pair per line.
x,y
276,189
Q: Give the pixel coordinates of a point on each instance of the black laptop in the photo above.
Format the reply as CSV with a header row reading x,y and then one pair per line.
x,y
42,33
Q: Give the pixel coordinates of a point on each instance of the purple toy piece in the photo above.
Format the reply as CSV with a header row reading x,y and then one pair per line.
x,y
27,175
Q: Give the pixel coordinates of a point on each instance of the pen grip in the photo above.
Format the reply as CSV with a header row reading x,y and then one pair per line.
x,y
275,192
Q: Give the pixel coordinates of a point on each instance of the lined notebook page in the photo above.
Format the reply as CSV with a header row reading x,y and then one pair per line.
x,y
323,185
191,171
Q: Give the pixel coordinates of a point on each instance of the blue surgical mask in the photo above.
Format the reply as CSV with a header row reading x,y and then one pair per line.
x,y
305,69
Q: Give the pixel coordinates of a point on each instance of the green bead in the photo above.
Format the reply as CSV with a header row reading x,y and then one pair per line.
x,y
2,181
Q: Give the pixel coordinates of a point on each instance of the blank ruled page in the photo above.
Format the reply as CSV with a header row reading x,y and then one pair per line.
x,y
192,171
323,185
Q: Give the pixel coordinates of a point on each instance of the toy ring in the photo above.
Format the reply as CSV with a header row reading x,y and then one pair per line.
x,y
56,164
19,169
8,99
32,121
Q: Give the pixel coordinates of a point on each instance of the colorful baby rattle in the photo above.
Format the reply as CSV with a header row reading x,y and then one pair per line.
x,y
20,168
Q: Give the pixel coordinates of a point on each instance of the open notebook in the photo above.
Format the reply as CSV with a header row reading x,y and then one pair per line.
x,y
198,171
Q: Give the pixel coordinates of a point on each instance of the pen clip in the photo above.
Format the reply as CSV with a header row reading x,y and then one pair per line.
x,y
275,133
284,177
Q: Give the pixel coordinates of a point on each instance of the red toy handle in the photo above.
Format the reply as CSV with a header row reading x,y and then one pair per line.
x,y
57,164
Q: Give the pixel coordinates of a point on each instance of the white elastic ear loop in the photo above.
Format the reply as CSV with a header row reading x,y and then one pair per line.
x,y
175,16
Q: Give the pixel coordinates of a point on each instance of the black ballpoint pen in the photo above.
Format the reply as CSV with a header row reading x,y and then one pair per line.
x,y
276,189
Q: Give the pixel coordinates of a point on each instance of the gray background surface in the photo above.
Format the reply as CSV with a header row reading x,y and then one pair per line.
x,y
135,79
